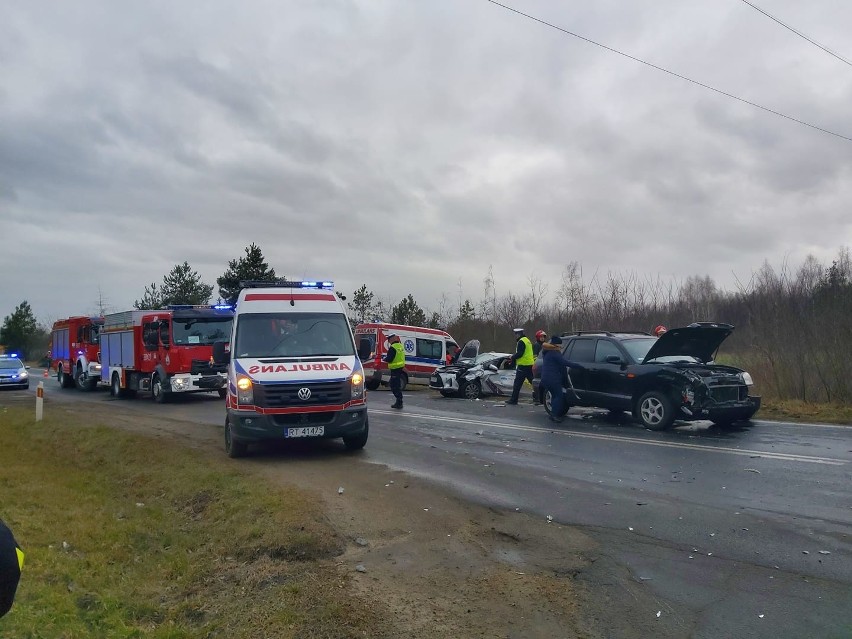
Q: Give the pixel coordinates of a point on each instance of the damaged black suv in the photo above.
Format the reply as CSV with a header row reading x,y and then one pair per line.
x,y
658,380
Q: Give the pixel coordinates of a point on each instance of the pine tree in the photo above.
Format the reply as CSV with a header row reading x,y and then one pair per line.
x,y
251,267
18,330
408,312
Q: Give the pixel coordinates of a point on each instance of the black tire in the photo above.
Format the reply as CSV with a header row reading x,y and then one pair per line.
x,y
373,384
471,389
548,405
655,411
115,387
222,392
82,381
448,393
65,381
233,447
158,393
357,442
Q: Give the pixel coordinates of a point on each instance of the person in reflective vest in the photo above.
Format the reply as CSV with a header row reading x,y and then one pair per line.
x,y
11,564
395,358
524,360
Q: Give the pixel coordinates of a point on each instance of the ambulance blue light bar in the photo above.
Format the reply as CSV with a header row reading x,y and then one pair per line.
x,y
313,284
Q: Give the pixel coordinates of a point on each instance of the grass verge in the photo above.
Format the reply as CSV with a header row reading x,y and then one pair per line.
x,y
127,536
795,410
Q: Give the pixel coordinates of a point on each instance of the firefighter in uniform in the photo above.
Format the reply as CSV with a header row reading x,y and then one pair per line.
x,y
524,360
11,563
395,358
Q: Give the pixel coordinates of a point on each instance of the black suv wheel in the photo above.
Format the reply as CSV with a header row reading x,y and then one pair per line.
x,y
655,411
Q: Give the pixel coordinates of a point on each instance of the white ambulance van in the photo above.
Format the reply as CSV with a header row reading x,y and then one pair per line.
x,y
293,369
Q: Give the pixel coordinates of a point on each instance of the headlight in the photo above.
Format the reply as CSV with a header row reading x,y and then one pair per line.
x,y
245,393
357,385
23,373
747,380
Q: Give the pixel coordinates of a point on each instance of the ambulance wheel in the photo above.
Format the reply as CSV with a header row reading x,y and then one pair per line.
x,y
233,447
357,442
373,384
403,382
222,392
158,391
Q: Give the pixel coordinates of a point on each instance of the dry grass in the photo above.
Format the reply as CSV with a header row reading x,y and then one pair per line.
x,y
127,536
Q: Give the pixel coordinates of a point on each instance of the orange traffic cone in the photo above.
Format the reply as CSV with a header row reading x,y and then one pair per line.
x,y
46,373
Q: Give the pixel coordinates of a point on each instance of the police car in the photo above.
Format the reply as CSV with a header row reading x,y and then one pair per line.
x,y
13,373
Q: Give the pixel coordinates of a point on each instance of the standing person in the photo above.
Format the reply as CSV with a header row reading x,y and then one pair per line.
x,y
11,564
554,376
395,359
540,339
660,330
524,360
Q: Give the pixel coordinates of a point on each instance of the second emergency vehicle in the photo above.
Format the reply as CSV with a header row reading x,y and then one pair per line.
x,y
293,370
75,351
425,350
165,352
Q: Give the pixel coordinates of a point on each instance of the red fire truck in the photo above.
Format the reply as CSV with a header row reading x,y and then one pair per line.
x,y
165,352
75,351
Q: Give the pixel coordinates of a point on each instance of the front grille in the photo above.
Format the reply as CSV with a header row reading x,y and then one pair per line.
x,y
287,395
304,419
728,393
204,367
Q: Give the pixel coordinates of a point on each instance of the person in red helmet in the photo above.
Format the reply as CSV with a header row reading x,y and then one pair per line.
x,y
660,330
540,338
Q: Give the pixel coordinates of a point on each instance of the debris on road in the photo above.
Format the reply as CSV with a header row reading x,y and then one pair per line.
x,y
659,612
340,490
751,470
361,568
824,552
549,518
361,541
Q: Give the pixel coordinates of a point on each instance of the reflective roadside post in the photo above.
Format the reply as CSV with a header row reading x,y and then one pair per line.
x,y
39,401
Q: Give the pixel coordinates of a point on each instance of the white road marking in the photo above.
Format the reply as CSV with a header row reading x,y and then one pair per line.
x,y
630,440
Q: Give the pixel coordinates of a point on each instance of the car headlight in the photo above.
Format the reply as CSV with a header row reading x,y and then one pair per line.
x,y
23,374
357,385
747,380
245,392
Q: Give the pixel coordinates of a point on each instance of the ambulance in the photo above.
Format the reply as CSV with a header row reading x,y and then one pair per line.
x,y
293,369
425,350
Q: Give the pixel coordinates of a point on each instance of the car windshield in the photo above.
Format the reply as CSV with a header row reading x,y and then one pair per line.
x,y
10,362
201,330
638,348
292,335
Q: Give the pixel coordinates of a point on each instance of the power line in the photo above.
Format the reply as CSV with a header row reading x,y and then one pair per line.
x,y
798,33
672,73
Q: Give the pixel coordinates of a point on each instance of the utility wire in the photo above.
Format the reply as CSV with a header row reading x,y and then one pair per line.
x,y
799,33
677,75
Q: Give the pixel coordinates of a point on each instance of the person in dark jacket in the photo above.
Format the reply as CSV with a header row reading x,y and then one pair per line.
x,y
554,376
395,359
540,339
11,563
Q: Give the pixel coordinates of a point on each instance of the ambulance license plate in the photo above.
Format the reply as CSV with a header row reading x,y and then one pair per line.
x,y
306,431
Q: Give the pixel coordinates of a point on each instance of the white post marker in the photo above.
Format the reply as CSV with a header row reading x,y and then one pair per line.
x,y
39,401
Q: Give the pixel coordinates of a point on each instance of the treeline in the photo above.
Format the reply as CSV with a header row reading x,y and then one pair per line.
x,y
793,325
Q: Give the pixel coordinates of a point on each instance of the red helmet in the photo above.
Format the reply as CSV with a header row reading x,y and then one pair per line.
x,y
539,334
660,330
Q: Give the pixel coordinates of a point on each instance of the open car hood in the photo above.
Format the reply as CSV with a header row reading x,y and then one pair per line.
x,y
470,350
700,340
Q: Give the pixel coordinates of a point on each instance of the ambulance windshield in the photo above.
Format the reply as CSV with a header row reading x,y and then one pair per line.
x,y
292,335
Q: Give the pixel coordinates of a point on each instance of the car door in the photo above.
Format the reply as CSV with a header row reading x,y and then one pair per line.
x,y
608,376
582,351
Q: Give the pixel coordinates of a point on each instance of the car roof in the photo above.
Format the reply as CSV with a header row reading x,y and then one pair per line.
x,y
615,334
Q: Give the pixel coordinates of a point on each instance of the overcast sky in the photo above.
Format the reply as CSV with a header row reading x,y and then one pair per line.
x,y
410,144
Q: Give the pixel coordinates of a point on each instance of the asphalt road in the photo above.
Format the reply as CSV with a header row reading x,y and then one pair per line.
x,y
742,532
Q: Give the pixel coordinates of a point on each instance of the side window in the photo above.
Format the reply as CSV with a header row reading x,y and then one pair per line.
x,y
583,350
430,348
149,335
604,349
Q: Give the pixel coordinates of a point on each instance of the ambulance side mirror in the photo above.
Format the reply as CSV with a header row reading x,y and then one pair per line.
x,y
220,353
365,349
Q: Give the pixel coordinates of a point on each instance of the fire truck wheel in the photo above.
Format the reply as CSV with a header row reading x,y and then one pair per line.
x,y
65,381
373,384
158,392
115,387
234,447
82,381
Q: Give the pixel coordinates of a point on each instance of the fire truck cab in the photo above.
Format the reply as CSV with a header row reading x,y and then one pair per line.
x,y
425,350
75,351
165,352
293,370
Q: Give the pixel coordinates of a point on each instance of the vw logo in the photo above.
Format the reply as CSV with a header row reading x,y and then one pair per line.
x,y
304,394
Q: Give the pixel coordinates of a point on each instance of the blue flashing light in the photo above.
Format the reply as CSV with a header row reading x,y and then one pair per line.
x,y
222,307
309,284
328,285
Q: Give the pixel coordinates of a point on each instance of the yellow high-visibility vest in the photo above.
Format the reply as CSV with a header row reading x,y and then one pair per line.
x,y
527,359
398,358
